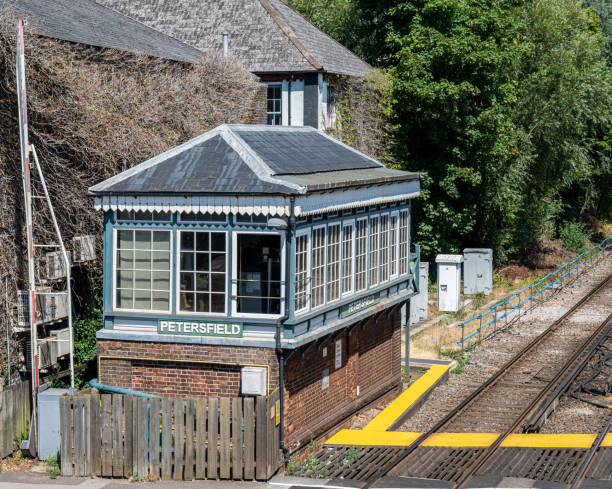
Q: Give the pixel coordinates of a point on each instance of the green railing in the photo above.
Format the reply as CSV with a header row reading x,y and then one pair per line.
x,y
527,296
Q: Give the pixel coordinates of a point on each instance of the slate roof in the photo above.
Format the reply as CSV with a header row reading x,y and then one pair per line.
x,y
267,36
86,22
252,159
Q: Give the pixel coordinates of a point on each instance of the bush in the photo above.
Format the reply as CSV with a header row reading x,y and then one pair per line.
x,y
574,236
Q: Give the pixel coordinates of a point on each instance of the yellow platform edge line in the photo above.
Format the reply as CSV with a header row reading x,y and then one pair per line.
x,y
402,438
398,406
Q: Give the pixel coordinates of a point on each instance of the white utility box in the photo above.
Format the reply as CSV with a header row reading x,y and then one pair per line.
x,y
253,381
477,270
418,303
49,423
449,282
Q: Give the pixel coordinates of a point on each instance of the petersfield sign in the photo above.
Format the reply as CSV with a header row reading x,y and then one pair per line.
x,y
199,328
359,305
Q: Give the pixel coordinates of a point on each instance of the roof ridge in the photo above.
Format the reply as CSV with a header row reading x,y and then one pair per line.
x,y
288,31
327,35
148,27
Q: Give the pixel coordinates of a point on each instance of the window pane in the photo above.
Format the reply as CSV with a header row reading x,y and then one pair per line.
x,y
161,240
124,299
187,241
318,266
187,302
125,259
301,272
124,280
161,280
202,260
217,303
347,258
142,299
202,242
203,282
393,244
143,216
124,215
360,257
187,282
161,301
218,282
143,240
125,239
403,242
202,302
142,260
217,262
161,260
142,279
384,248
218,241
187,261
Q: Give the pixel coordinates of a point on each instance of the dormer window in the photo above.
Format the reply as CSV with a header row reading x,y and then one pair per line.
x,y
275,111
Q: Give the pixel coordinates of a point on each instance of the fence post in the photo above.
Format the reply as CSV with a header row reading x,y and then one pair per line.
x,y
480,329
462,335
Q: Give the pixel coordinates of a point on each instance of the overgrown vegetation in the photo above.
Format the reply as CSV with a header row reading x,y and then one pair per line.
x,y
504,106
93,112
574,235
461,357
53,467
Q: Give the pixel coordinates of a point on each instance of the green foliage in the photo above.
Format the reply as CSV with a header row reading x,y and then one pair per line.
x,y
574,236
478,300
351,453
53,468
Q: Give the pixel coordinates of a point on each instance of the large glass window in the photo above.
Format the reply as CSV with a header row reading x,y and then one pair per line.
x,y
374,246
333,262
301,272
393,242
318,266
384,247
403,242
275,105
347,258
142,280
203,271
258,273
361,245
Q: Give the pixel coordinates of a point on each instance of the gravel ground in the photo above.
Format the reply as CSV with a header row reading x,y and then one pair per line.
x,y
485,359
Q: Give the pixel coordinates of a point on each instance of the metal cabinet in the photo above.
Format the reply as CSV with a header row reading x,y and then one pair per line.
x,y
477,270
418,303
449,282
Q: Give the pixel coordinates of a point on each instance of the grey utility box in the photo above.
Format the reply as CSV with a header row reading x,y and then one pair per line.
x,y
477,271
449,282
418,303
49,423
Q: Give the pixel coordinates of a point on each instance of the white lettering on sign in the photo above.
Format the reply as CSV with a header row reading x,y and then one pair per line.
x,y
197,328
338,359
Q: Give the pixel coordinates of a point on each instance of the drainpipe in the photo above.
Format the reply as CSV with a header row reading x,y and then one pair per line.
x,y
289,100
279,349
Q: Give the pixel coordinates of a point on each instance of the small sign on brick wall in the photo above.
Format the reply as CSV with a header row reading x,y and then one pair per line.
x,y
359,305
199,328
325,379
338,359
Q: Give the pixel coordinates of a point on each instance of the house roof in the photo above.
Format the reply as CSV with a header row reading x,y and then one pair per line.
x,y
86,22
267,36
252,159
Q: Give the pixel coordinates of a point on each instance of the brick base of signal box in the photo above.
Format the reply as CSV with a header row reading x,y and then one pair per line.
x,y
370,368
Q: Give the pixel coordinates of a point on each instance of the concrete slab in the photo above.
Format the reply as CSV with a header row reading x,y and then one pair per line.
x,y
596,484
411,483
483,481
516,482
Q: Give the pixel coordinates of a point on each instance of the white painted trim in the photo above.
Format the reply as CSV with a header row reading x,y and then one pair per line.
x,y
305,232
391,215
313,229
349,222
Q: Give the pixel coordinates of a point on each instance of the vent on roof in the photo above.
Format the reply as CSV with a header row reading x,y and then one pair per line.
x,y
225,45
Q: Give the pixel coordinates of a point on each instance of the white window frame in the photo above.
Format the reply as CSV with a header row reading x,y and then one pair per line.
x,y
351,291
397,237
366,254
177,284
339,226
298,234
380,250
407,258
278,85
234,277
314,228
114,280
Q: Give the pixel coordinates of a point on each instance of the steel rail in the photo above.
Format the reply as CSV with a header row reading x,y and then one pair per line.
x,y
587,462
490,382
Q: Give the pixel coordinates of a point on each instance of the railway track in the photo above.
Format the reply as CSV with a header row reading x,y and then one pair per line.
x,y
506,399
506,403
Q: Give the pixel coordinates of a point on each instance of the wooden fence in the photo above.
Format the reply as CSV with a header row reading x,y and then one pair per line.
x,y
116,435
15,403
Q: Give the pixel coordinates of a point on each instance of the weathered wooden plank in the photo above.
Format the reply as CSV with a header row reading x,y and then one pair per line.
x,y
154,404
117,422
143,443
249,438
107,440
179,439
79,449
213,429
269,435
224,436
189,435
128,436
261,434
134,435
200,447
87,469
166,456
95,437
237,438
65,435
3,422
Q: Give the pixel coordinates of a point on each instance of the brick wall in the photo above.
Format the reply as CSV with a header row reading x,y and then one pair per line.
x,y
259,113
371,360
155,368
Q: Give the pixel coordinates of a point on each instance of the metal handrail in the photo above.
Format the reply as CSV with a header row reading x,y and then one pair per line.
x,y
560,273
